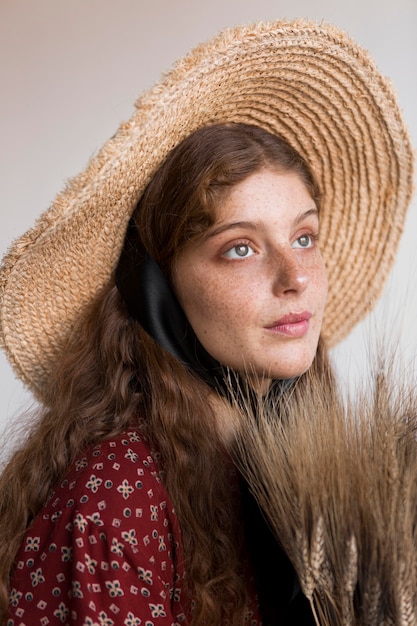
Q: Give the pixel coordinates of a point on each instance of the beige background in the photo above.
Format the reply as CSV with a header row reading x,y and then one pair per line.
x,y
71,69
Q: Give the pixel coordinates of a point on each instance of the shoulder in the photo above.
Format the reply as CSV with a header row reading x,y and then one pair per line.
x,y
113,494
128,454
122,465
107,537
118,479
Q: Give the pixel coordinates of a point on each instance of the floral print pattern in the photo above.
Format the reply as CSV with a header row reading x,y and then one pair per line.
x,y
105,550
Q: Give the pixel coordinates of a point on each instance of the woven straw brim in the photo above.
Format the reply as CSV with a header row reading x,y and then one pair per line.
x,y
306,82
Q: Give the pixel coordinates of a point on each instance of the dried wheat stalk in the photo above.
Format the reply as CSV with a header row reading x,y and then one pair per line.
x,y
338,482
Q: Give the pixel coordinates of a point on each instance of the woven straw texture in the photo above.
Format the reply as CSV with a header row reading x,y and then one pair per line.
x,y
310,84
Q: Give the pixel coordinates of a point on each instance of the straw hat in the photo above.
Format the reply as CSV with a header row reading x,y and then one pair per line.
x,y
304,81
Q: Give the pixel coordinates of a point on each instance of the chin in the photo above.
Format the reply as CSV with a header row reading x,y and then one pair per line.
x,y
261,378
284,365
295,369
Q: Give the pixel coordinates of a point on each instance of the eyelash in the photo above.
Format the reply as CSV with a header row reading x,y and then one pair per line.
x,y
238,244
313,239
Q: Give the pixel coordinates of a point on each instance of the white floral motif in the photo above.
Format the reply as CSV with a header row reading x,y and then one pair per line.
x,y
76,589
130,537
94,483
134,437
105,620
66,553
114,588
157,610
81,464
96,519
91,564
132,456
37,577
131,620
117,547
80,522
15,597
32,543
175,594
61,612
145,575
125,489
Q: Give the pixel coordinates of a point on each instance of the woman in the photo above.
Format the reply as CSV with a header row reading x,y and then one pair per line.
x,y
123,506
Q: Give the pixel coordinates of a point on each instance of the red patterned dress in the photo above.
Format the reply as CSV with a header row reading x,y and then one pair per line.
x,y
106,548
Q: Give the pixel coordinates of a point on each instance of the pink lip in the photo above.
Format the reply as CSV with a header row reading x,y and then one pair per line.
x,y
292,325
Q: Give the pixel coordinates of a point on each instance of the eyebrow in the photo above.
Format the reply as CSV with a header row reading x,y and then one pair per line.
x,y
256,225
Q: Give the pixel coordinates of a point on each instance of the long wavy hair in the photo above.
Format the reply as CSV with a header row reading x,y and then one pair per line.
x,y
113,376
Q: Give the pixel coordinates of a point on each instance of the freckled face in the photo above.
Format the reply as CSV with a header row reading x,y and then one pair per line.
x,y
254,288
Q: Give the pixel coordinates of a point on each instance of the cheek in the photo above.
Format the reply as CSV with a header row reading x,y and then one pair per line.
x,y
209,301
215,304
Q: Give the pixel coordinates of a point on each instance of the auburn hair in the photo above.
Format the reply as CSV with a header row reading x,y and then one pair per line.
x,y
112,375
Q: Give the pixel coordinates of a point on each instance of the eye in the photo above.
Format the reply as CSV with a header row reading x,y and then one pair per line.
x,y
305,241
240,251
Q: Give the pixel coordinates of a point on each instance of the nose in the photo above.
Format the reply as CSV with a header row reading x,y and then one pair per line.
x,y
290,274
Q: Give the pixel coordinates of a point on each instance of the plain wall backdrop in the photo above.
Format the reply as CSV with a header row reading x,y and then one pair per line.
x,y
70,71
